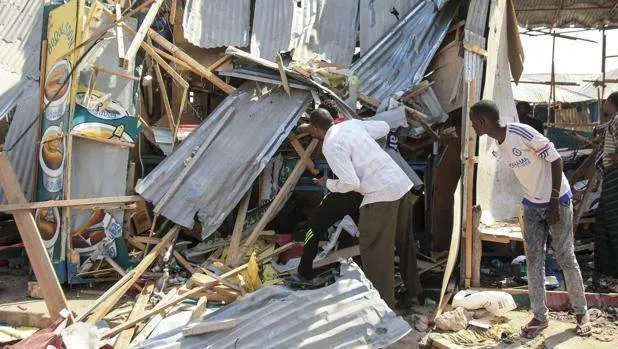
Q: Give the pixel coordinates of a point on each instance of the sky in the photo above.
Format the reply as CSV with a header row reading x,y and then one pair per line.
x,y
575,57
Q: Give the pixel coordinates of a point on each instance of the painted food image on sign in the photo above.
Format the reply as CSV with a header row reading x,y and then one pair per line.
x,y
57,88
99,230
51,158
48,222
102,117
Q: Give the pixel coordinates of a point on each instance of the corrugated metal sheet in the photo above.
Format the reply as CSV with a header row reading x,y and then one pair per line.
x,y
347,314
217,23
400,58
534,93
326,29
20,38
549,13
260,120
248,62
378,17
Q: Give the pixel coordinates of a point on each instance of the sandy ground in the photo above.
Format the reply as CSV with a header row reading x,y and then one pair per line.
x,y
560,334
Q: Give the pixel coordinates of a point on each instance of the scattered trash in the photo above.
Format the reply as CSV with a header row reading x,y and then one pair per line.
x,y
454,320
496,302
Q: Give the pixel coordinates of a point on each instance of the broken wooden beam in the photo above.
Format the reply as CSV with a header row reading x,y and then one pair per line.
x,y
239,224
195,329
31,237
103,201
141,34
279,199
282,74
143,265
300,150
124,339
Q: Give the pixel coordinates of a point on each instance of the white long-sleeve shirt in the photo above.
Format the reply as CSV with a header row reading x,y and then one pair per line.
x,y
361,164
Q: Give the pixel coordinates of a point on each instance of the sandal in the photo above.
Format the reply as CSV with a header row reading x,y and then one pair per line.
x,y
533,328
584,326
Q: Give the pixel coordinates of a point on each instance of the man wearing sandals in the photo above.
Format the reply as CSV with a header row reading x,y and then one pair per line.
x,y
547,210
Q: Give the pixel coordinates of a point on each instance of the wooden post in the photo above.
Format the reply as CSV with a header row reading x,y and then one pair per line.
x,y
282,74
166,101
144,264
119,34
287,187
477,246
232,253
141,33
37,125
31,237
140,305
592,181
469,189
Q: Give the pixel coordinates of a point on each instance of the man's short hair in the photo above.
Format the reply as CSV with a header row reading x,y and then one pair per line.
x,y
487,109
613,98
524,107
331,106
321,119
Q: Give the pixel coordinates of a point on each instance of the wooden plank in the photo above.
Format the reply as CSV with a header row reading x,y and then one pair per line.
x,y
196,67
592,181
286,188
282,74
196,329
199,310
419,117
141,33
232,252
333,257
117,73
146,331
31,237
219,62
300,151
143,265
124,339
468,46
103,201
159,307
166,101
469,189
182,261
107,293
119,33
185,171
477,247
173,12
171,58
368,100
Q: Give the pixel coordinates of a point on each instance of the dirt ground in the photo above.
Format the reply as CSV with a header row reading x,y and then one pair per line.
x,y
560,334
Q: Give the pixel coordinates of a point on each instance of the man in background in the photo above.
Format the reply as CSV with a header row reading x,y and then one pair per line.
x,y
606,226
524,113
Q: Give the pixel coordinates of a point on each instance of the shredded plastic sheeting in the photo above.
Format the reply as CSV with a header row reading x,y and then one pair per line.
x,y
262,117
347,314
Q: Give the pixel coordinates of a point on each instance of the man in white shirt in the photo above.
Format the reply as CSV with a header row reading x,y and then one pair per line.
x,y
361,165
547,210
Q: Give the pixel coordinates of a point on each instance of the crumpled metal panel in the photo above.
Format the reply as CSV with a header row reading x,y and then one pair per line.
x,y
21,23
260,120
378,17
347,314
326,29
399,60
217,23
553,13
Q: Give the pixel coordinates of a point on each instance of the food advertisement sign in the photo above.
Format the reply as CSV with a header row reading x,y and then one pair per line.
x,y
61,37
